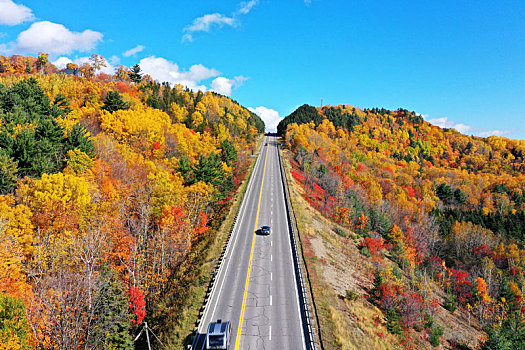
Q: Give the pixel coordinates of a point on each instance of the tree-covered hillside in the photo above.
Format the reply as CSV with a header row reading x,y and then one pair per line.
x,y
112,189
428,203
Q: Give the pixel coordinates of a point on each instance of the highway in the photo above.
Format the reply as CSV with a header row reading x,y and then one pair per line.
x,y
256,288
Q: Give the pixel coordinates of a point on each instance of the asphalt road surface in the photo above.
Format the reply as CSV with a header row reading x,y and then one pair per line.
x,y
256,289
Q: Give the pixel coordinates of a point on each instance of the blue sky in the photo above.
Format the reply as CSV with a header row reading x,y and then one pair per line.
x,y
459,63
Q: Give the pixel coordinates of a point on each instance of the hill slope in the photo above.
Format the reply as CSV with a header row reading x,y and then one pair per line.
x,y
111,193
437,217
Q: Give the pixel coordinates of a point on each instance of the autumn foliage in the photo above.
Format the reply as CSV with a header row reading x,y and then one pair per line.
x,y
431,201
106,218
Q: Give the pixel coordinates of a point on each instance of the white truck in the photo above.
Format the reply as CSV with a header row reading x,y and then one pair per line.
x,y
218,336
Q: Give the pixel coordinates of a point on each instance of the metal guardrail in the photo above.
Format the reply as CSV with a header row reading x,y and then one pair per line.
x,y
294,236
306,294
212,285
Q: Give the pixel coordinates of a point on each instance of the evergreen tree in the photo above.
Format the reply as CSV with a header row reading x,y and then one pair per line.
x,y
135,75
378,281
229,153
24,151
460,196
510,335
112,319
25,102
78,138
444,192
114,102
8,170
392,322
301,115
50,148
39,146
60,106
186,170
209,170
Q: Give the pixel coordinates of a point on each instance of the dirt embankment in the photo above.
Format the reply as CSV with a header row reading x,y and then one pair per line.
x,y
342,279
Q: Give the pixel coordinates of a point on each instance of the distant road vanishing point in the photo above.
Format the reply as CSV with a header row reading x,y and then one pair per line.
x,y
256,288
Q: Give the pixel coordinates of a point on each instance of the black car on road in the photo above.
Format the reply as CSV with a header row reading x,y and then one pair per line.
x,y
266,230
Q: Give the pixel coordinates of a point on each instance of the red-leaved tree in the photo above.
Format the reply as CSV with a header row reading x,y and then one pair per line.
x,y
137,304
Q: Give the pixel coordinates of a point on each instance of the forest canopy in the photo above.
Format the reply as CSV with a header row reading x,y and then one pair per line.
x,y
111,190
424,201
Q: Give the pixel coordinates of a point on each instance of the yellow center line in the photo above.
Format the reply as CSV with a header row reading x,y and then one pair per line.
x,y
241,319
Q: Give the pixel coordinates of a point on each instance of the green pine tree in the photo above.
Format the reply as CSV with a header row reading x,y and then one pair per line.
x,y
60,106
209,170
392,322
186,170
135,75
229,153
8,177
78,138
510,335
114,102
112,319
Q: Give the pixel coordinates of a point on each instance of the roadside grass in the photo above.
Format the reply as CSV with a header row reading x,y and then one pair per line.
x,y
180,335
364,329
344,323
322,293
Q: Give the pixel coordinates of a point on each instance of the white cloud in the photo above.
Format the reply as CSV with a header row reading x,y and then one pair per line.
x,y
114,60
216,20
5,49
270,117
163,70
494,133
187,37
12,14
62,62
205,23
307,2
134,50
444,122
54,39
462,128
194,78
224,85
107,69
246,6
198,72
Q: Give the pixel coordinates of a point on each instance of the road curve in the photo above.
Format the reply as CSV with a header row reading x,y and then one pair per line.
x,y
256,288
